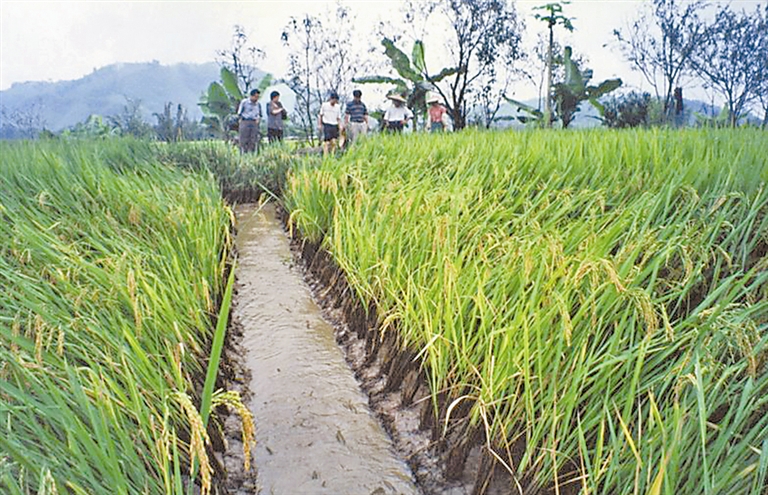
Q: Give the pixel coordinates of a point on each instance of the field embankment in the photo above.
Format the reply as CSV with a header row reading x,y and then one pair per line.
x,y
112,270
589,308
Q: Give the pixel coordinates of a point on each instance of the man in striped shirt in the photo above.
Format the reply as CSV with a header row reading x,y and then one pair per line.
x,y
356,117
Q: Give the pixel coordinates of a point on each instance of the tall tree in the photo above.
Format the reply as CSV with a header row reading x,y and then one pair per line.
x,y
660,42
729,59
242,59
481,33
553,17
488,101
322,58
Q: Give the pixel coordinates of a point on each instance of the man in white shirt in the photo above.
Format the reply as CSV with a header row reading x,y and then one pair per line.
x,y
398,115
249,112
329,122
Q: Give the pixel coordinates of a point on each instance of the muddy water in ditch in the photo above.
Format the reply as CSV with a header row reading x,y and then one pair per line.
x,y
314,431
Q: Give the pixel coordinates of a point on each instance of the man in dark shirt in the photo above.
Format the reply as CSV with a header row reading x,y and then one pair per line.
x,y
275,116
356,117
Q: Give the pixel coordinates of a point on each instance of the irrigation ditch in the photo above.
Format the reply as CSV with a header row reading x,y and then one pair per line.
x,y
278,360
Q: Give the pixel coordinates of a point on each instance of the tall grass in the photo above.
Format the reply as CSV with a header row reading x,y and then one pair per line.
x,y
600,298
241,178
111,270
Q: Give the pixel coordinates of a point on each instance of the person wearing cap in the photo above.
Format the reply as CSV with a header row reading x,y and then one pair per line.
x,y
356,117
329,122
437,114
249,112
275,116
398,115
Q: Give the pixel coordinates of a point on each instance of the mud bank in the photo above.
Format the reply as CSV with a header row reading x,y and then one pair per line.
x,y
314,431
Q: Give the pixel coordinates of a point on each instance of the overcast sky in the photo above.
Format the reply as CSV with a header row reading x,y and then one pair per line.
x,y
64,40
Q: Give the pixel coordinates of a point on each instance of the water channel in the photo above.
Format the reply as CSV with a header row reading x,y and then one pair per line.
x,y
315,433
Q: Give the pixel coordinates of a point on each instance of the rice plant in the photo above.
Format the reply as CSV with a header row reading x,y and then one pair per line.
x,y
598,297
241,178
111,273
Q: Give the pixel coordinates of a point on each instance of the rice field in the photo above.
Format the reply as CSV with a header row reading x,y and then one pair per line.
x,y
596,302
241,179
113,268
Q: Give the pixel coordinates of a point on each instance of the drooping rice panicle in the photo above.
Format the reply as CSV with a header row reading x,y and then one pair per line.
x,y
601,296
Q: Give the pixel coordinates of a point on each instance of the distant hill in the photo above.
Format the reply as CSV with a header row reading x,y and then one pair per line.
x,y
105,92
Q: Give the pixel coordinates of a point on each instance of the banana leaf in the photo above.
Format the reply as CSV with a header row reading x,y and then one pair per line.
x,y
229,82
400,61
417,56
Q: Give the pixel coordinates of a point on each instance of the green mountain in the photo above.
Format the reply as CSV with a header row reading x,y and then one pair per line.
x,y
106,91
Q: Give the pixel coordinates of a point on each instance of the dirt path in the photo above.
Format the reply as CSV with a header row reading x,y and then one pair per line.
x,y
314,431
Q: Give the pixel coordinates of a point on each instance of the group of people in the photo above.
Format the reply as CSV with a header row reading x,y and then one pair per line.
x,y
330,124
249,113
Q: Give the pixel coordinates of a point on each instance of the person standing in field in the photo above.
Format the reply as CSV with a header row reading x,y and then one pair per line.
x,y
329,122
276,114
356,117
437,114
397,116
249,112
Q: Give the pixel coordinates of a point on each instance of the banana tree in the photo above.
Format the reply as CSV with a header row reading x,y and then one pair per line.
x,y
219,103
576,89
568,95
555,16
414,81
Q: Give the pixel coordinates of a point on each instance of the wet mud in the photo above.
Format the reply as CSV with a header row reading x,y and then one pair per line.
x,y
315,432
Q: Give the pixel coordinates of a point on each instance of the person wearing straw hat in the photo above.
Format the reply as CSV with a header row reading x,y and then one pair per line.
x,y
437,114
398,115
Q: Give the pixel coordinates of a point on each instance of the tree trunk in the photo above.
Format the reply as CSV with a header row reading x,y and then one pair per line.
x,y
548,92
